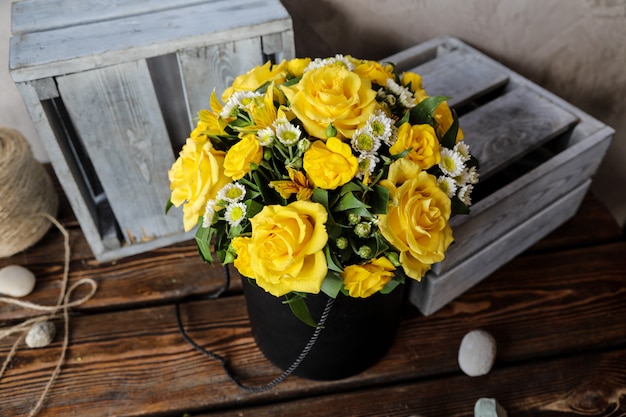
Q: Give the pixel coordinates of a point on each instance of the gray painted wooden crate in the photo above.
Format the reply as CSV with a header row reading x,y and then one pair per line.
x,y
537,154
113,88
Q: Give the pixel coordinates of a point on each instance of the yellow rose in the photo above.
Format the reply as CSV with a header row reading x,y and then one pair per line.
x,y
256,77
330,165
416,222
365,280
241,155
374,71
331,94
423,142
297,65
286,249
195,178
443,121
416,85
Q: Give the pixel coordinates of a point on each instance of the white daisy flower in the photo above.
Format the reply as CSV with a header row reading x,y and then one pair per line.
x,y
319,62
232,192
451,162
465,194
472,176
209,213
405,96
239,99
288,134
235,213
380,126
265,136
364,142
367,164
447,185
463,149
462,178
280,121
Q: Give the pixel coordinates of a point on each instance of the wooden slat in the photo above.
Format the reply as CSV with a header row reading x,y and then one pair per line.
x,y
135,362
509,127
37,15
122,129
460,75
80,48
583,385
215,67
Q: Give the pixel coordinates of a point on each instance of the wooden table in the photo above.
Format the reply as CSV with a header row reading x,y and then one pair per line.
x,y
558,314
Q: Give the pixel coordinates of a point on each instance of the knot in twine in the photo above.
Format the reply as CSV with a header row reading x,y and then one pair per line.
x,y
25,189
61,308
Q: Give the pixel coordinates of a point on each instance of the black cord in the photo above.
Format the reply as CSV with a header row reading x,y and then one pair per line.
x,y
229,372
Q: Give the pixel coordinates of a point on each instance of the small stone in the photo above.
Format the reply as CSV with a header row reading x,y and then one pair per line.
x,y
16,281
477,353
488,407
41,334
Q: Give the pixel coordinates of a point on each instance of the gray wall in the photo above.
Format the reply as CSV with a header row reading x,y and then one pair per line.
x,y
575,48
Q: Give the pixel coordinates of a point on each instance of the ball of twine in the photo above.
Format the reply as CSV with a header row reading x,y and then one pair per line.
x,y
26,190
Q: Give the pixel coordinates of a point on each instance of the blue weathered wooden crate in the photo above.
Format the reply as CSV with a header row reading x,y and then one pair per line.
x,y
113,88
537,153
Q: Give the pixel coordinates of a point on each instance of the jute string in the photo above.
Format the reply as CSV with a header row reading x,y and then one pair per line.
x,y
61,308
25,189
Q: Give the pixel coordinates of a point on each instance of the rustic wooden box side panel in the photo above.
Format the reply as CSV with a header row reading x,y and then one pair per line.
x,y
116,110
501,126
79,48
521,199
435,291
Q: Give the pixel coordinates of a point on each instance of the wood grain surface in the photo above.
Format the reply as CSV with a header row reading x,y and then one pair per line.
x,y
557,315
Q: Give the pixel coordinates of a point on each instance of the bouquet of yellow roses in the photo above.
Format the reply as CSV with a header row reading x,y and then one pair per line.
x,y
333,175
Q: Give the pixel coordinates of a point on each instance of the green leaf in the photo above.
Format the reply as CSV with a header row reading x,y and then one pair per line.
x,y
203,240
349,201
292,81
253,208
321,196
459,207
379,200
331,261
300,309
400,155
423,112
449,139
404,119
168,206
332,284
351,187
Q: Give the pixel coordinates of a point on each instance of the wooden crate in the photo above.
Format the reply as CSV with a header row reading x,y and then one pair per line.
x,y
113,88
537,154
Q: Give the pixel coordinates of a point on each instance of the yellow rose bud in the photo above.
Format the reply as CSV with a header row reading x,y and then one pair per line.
x,y
286,249
416,85
331,95
195,177
416,223
330,165
423,142
444,119
367,279
256,77
241,155
374,71
297,65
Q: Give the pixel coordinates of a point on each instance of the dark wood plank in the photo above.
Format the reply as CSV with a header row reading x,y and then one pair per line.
x,y
134,362
581,385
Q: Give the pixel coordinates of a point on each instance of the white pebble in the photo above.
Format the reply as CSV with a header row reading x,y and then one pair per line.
x,y
16,281
488,407
477,353
41,334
